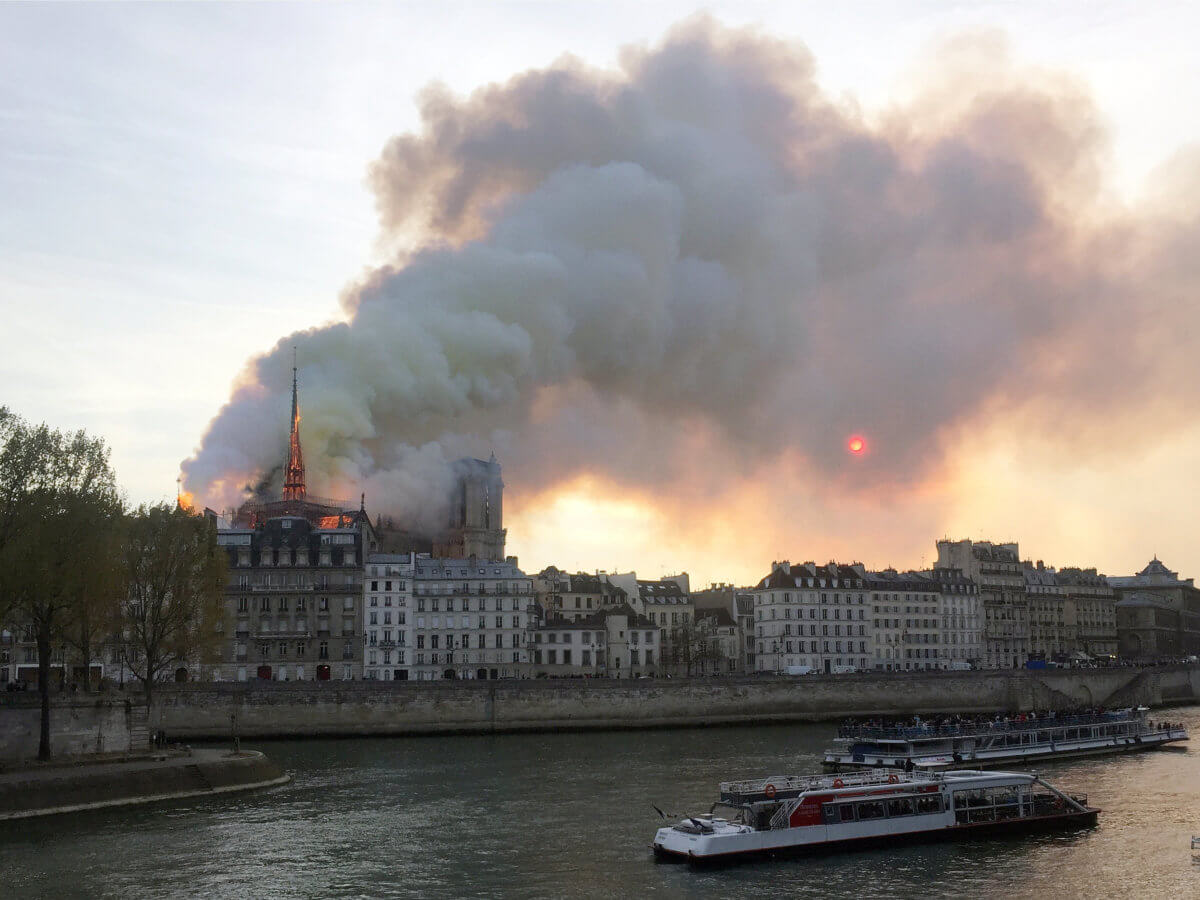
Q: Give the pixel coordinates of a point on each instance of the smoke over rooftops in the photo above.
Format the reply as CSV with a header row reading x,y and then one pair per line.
x,y
700,257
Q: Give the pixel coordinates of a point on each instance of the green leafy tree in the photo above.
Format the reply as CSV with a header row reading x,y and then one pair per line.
x,y
57,495
176,583
94,617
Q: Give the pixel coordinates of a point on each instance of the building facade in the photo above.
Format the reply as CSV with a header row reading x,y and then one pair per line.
x,y
906,619
387,604
810,615
667,604
576,596
962,620
718,649
997,570
1091,599
293,601
470,618
615,642
739,603
1158,613
1052,626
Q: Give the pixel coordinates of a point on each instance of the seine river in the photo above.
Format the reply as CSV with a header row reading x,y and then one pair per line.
x,y
569,815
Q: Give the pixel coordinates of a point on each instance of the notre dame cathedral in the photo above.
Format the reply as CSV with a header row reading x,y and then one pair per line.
x,y
476,526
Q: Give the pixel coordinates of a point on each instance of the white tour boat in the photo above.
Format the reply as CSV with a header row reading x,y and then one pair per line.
x,y
793,814
983,744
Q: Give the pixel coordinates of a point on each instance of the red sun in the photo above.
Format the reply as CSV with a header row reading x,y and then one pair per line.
x,y
856,445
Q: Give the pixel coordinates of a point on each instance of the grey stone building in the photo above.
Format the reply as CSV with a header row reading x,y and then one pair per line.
x,y
476,525
294,599
1158,613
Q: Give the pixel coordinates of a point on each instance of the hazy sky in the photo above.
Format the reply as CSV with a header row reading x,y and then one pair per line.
x,y
183,185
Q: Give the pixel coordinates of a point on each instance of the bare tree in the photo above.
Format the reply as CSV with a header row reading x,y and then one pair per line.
x,y
57,493
176,579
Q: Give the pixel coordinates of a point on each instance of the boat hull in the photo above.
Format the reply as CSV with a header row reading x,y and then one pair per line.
x,y
1066,821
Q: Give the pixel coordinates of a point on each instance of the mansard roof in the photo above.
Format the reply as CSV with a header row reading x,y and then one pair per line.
x,y
583,583
661,592
810,575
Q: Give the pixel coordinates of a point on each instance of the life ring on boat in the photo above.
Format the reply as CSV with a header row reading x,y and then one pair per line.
x,y
838,783
893,778
769,790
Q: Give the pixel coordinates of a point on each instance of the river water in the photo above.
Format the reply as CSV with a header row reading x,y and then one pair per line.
x,y
569,815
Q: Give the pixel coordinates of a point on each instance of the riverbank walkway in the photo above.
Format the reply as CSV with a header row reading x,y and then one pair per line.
x,y
42,789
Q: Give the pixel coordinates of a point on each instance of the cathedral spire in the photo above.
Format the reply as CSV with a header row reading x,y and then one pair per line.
x,y
293,477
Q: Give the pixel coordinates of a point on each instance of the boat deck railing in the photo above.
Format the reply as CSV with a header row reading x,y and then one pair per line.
x,y
801,783
967,729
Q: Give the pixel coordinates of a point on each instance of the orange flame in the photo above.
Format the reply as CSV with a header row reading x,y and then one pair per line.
x,y
186,501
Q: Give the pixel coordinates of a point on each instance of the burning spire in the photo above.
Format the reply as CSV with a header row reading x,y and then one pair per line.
x,y
293,480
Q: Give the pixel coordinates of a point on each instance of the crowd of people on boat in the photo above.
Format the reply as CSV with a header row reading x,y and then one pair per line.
x,y
1001,721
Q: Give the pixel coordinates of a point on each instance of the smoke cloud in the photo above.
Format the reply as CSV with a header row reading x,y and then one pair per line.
x,y
700,263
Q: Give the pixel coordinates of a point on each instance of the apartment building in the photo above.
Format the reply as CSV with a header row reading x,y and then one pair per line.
x,y
1052,627
614,642
997,570
469,618
1095,606
810,615
906,618
294,597
387,604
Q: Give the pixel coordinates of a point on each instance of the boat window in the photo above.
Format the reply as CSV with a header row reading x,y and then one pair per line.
x,y
847,812
872,809
929,805
901,807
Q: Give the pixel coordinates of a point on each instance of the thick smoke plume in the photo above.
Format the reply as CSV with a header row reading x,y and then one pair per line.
x,y
701,260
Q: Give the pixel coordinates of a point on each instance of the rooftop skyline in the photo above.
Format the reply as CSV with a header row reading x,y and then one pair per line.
x,y
970,319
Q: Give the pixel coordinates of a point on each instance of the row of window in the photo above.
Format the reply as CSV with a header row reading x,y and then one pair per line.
x,y
497,604
284,604
866,810
436,622
812,614
677,618
799,647
266,558
551,657
282,648
464,641
812,630
586,637
767,599
387,585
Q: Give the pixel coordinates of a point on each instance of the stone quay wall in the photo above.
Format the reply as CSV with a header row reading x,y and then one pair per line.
x,y
80,724
41,791
311,709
